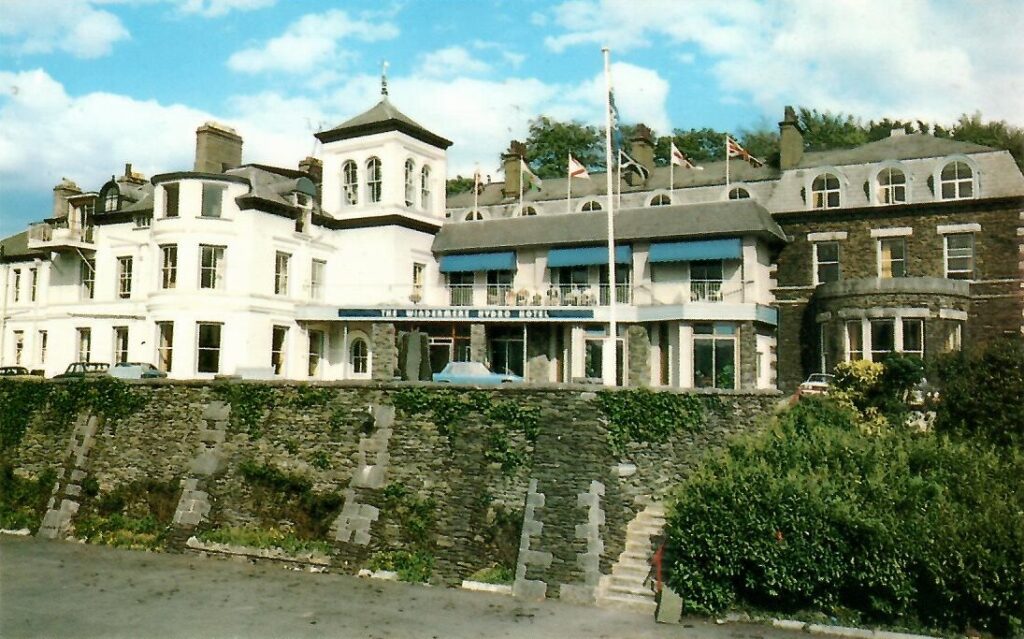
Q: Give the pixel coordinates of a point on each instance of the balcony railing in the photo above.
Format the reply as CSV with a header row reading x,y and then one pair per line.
x,y
460,294
705,290
623,294
500,295
58,233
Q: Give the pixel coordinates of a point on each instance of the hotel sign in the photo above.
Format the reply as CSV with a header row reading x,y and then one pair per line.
x,y
457,313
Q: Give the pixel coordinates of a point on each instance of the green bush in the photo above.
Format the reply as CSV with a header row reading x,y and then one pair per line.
x,y
900,528
414,567
494,575
23,501
983,393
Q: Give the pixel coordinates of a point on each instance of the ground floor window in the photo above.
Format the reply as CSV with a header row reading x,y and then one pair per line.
x,y
208,348
19,347
854,340
359,353
165,345
883,338
84,344
593,358
448,343
913,337
278,340
876,339
120,344
316,352
42,347
506,348
714,356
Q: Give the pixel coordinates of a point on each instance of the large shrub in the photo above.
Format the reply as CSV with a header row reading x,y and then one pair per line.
x,y
983,393
901,528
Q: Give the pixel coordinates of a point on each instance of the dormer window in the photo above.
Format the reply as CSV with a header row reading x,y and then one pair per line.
x,y
739,193
350,184
825,192
410,182
527,211
891,187
425,188
111,199
374,182
956,181
474,216
660,200
591,205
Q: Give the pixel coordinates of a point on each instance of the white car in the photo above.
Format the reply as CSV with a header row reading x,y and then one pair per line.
x,y
816,384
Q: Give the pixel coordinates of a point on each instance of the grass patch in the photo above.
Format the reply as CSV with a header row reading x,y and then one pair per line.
x,y
265,538
414,567
501,575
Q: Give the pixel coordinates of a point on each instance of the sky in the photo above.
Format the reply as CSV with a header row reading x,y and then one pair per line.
x,y
89,85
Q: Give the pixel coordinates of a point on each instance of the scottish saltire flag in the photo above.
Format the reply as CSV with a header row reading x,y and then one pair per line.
x,y
627,163
734,150
532,181
577,170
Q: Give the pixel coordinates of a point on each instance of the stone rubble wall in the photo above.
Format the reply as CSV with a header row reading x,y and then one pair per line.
x,y
570,500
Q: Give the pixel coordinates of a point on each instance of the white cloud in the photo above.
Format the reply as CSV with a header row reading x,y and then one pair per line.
x,y
217,8
915,58
311,42
76,27
451,61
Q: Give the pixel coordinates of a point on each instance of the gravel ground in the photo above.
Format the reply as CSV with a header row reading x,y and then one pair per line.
x,y
59,589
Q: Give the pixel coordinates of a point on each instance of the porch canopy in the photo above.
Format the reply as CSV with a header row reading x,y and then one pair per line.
x,y
469,262
694,250
588,255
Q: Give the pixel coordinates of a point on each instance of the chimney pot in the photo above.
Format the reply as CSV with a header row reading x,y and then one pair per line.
x,y
516,153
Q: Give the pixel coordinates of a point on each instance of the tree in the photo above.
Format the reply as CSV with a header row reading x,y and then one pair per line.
x,y
550,142
970,128
459,184
700,145
824,130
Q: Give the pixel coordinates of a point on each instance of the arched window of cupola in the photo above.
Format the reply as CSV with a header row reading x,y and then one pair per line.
x,y
410,182
350,183
425,188
374,182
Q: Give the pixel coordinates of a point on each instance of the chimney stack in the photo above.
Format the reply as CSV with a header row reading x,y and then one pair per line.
x,y
791,141
642,150
61,193
218,148
516,153
314,167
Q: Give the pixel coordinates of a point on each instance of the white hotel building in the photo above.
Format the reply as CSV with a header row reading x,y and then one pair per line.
x,y
321,272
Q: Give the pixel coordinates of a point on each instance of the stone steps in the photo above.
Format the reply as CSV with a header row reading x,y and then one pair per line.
x,y
624,588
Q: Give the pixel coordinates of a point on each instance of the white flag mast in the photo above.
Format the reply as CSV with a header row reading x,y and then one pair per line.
x,y
613,327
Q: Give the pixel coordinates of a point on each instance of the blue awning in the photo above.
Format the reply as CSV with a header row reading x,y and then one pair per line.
x,y
504,261
588,255
724,249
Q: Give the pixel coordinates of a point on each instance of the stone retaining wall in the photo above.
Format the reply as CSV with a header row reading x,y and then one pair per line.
x,y
354,448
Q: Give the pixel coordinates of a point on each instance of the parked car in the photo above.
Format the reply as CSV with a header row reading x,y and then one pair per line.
x,y
79,370
472,373
923,394
816,384
136,370
12,371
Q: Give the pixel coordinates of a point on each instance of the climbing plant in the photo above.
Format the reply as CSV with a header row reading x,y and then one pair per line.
x,y
642,415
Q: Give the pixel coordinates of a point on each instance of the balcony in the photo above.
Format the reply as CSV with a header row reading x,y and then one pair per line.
x,y
460,294
705,290
60,237
500,295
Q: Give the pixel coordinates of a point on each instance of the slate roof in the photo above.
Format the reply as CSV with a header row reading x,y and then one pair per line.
x,y
729,218
899,147
15,248
380,118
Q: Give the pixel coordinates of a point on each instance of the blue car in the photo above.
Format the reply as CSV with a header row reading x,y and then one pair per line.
x,y
472,373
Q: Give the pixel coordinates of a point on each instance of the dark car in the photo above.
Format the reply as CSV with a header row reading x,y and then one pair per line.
x,y
13,371
80,370
136,370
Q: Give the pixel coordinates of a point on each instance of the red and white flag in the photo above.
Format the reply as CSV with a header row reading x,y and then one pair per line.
x,y
577,170
679,158
734,150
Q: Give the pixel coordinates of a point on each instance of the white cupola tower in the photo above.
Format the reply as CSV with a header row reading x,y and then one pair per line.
x,y
381,163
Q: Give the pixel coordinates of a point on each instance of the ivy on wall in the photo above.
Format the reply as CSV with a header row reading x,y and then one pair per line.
x,y
250,403
22,399
645,416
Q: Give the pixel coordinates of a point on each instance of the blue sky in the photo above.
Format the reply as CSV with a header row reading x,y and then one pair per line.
x,y
88,85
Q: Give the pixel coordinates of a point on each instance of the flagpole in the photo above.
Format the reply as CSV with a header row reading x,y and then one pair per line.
x,y
727,162
613,327
671,170
522,162
476,190
568,182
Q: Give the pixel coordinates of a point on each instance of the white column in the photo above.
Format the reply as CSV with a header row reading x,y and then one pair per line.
x,y
685,356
